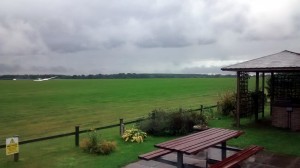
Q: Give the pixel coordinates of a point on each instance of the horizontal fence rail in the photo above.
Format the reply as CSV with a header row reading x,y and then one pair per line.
x,y
42,139
203,108
77,131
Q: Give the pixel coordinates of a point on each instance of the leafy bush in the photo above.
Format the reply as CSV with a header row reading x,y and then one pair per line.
x,y
94,144
106,147
176,122
134,135
156,124
182,121
228,103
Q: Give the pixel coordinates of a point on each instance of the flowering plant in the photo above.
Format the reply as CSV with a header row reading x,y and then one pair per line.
x,y
134,135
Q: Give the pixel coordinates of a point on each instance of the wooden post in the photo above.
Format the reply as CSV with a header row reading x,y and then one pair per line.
x,y
272,93
16,155
263,95
256,96
179,159
77,135
238,100
201,109
122,127
223,146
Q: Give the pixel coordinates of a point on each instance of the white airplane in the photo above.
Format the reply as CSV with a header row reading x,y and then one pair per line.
x,y
45,79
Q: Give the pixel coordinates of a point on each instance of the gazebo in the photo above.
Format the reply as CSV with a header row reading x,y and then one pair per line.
x,y
284,91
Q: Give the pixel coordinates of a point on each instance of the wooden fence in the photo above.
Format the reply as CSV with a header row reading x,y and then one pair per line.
x,y
77,129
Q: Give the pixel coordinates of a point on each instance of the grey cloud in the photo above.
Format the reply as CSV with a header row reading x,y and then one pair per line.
x,y
74,36
63,36
204,70
20,69
19,37
206,41
164,42
113,43
4,68
51,69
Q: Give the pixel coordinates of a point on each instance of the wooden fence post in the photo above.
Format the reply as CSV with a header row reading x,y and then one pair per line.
x,y
16,155
77,135
201,109
122,126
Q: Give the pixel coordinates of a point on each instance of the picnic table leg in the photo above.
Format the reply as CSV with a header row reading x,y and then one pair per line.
x,y
179,160
223,150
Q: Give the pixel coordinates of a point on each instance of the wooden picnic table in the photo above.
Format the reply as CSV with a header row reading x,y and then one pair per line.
x,y
193,143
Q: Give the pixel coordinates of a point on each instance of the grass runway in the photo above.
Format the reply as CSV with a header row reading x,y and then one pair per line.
x,y
35,109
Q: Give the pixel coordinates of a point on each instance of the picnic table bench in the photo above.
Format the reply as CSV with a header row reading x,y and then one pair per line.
x,y
154,154
193,143
233,160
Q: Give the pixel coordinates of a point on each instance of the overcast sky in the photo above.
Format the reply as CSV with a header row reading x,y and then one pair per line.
x,y
142,36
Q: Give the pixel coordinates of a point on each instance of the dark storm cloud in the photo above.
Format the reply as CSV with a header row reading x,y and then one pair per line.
x,y
98,36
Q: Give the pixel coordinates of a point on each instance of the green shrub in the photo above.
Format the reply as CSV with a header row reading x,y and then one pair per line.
x,y
182,121
157,123
94,144
134,135
176,122
228,103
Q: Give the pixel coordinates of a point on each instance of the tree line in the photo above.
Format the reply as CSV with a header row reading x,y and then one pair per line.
x,y
112,76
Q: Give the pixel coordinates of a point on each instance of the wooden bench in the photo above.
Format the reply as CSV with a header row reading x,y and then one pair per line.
x,y
236,158
154,154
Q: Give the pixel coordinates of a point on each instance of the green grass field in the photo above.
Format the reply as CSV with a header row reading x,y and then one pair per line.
x,y
61,153
35,109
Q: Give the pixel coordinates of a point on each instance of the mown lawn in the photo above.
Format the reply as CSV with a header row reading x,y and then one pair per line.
x,y
61,152
34,109
277,140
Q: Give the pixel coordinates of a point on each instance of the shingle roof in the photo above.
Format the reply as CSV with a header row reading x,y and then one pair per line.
x,y
282,61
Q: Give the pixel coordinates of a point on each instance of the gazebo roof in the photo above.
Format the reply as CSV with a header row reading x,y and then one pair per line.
x,y
282,61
